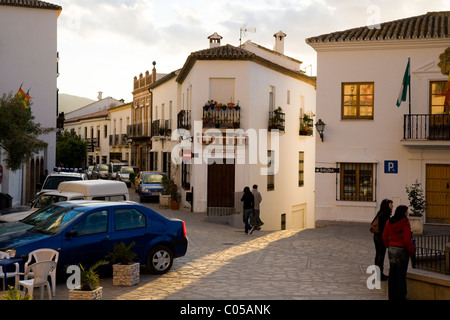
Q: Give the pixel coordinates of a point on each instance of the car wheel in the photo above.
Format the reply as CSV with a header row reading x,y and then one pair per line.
x,y
159,260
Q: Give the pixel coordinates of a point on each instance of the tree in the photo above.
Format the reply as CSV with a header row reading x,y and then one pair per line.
x,y
18,132
70,149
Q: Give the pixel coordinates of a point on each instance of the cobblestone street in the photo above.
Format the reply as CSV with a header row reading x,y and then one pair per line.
x,y
222,262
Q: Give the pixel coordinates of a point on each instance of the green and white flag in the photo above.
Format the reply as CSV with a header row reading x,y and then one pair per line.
x,y
404,88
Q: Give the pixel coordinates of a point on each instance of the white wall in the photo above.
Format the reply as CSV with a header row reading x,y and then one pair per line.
x,y
28,55
252,90
374,140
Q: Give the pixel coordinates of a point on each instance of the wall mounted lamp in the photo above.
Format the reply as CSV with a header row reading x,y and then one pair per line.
x,y
320,126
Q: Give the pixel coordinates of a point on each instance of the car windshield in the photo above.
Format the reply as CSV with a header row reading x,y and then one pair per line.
x,y
48,199
57,221
152,178
53,182
41,215
127,170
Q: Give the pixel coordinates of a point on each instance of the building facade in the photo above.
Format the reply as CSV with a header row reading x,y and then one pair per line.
x,y
221,149
105,132
372,148
29,58
139,130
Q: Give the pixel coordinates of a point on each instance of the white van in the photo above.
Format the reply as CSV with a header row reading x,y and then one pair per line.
x,y
74,190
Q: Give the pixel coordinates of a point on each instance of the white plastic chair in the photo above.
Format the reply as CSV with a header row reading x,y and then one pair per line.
x,y
4,255
41,271
42,255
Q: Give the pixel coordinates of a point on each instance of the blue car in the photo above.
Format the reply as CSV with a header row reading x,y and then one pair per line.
x,y
151,185
87,232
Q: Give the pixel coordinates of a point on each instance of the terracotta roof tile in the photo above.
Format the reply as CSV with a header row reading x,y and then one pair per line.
x,y
433,25
30,4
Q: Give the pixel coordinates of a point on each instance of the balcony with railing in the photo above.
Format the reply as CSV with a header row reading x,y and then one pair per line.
x,y
184,120
424,127
221,117
276,120
161,128
138,130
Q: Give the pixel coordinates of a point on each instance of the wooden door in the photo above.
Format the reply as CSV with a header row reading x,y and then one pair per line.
x,y
438,193
220,189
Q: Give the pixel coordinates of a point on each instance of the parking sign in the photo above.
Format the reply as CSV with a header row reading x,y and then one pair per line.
x,y
390,166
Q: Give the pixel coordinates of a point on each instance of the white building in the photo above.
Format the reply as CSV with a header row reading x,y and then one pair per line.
x,y
105,133
259,80
28,33
367,137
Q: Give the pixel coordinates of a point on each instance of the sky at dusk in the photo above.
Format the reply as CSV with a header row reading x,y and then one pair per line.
x,y
104,44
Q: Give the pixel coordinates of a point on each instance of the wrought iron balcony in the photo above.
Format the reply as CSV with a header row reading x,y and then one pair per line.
x,y
184,119
138,130
426,127
221,118
276,120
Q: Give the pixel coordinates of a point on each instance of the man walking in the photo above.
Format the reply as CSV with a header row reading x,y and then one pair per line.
x,y
258,198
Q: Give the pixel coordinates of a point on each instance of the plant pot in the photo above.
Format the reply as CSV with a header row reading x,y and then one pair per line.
x,y
230,105
174,205
416,225
164,200
126,275
77,294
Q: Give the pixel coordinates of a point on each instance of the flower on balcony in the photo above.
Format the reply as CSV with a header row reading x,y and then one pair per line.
x,y
308,116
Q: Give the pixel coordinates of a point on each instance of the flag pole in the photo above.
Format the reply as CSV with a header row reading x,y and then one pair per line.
x,y
409,97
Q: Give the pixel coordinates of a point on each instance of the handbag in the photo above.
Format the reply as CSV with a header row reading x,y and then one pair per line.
x,y
374,228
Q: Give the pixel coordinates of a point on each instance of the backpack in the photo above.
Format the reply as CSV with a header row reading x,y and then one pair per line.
x,y
374,228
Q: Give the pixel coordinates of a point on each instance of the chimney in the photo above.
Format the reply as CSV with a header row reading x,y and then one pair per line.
x,y
99,97
279,41
154,72
214,40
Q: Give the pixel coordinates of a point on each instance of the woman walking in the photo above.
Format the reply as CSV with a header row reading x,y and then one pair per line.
x,y
397,238
249,204
383,216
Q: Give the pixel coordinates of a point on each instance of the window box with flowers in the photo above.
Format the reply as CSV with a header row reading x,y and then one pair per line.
x,y
307,124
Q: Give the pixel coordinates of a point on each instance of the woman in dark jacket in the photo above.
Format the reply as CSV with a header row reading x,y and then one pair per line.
x,y
397,237
249,204
380,250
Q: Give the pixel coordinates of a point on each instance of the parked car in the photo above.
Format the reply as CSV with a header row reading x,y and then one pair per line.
x,y
114,168
125,172
86,233
53,180
100,171
137,180
151,185
73,190
34,218
89,171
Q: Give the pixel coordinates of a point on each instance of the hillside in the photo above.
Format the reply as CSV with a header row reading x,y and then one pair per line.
x,y
68,102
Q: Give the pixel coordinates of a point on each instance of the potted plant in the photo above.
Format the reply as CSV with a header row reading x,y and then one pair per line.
x,y
218,106
14,294
165,195
417,205
89,284
307,122
230,105
126,272
237,106
175,199
278,110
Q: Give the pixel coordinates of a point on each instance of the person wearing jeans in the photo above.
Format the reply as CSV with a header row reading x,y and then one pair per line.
x,y
249,204
397,238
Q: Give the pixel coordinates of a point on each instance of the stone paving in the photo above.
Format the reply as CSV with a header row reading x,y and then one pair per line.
x,y
222,263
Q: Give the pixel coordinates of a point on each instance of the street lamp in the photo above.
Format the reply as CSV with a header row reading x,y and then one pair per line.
x,y
320,126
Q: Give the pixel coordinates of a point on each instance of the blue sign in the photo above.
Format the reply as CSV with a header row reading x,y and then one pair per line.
x,y
390,166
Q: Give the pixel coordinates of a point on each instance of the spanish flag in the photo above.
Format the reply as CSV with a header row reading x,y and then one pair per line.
x,y
25,95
